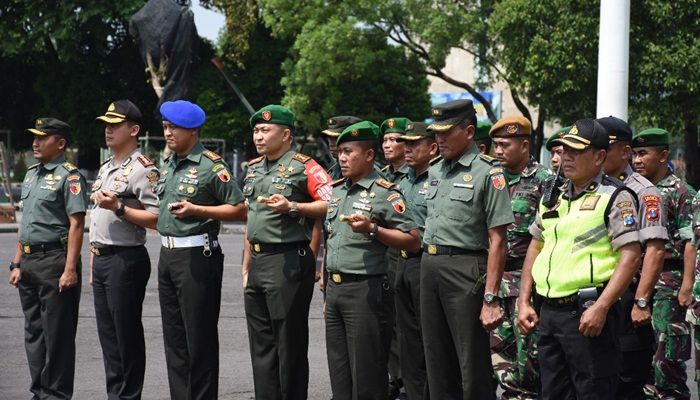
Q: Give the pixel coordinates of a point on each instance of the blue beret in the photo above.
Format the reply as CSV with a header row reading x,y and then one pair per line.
x,y
183,114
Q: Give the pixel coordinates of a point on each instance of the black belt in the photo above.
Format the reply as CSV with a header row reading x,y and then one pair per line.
x,y
407,254
561,302
514,264
340,277
438,250
276,247
44,247
673,265
109,250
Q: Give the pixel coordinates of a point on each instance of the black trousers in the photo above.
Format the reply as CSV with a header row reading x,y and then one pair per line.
x,y
277,299
407,300
189,288
119,285
51,320
457,350
394,363
359,322
573,366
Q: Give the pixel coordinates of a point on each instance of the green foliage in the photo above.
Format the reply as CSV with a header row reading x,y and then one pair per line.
x,y
241,20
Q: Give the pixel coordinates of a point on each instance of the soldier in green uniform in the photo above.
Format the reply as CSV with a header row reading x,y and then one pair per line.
x,y
464,250
637,336
555,148
125,204
583,254
482,140
514,355
420,148
674,288
196,191
366,216
46,266
695,306
331,133
285,193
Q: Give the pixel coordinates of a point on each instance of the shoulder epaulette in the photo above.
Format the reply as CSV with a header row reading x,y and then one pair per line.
x,y
166,159
435,160
145,161
384,169
106,161
302,158
384,183
33,166
612,181
488,158
69,167
338,181
211,155
256,160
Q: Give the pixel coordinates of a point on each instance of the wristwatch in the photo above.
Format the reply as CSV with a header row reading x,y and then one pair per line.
x,y
13,265
119,212
373,231
641,303
293,209
490,298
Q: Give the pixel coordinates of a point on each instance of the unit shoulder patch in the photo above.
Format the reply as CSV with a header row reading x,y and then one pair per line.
x,y
302,158
69,166
211,155
145,161
384,183
256,160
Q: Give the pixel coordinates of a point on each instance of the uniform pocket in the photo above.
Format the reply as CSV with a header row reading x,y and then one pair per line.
x,y
460,205
283,189
678,341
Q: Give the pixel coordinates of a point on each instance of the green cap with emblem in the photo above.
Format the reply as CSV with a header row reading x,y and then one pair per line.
x,y
394,125
416,131
50,126
482,129
551,141
273,114
651,137
360,131
447,115
337,124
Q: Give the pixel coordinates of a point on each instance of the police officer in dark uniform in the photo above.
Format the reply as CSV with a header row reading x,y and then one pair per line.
x,y
365,216
46,267
464,250
125,204
285,193
583,254
331,133
196,191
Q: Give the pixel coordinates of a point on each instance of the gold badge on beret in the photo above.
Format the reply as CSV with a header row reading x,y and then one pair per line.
x,y
391,123
266,115
511,129
355,133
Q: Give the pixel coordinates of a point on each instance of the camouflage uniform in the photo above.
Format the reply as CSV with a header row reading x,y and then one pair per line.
x,y
695,307
514,356
668,316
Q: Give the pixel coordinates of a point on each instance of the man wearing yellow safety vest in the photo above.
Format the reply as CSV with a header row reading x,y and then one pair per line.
x,y
584,253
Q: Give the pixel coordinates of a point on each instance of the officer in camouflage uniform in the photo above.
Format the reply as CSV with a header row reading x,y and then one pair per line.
x,y
514,356
330,134
420,149
366,215
674,287
285,192
195,192
637,336
555,148
48,256
695,307
482,140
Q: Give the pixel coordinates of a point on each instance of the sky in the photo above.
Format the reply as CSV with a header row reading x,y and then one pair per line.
x,y
208,22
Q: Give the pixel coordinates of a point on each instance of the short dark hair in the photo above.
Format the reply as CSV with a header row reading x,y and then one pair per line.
x,y
369,145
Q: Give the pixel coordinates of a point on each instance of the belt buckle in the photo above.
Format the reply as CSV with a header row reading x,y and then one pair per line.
x,y
95,251
404,254
27,249
432,249
256,247
336,278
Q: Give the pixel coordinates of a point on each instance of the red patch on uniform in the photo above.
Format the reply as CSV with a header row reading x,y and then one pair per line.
x,y
399,206
498,181
224,176
317,182
73,178
651,200
75,188
653,211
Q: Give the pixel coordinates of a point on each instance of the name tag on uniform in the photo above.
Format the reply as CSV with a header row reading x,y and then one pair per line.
x,y
361,206
284,181
189,181
434,183
589,203
463,185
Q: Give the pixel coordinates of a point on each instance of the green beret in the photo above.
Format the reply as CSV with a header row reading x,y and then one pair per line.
x,y
482,129
273,114
360,131
556,135
392,125
651,137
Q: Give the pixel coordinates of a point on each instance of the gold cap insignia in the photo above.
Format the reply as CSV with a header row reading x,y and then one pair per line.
x,y
266,115
573,130
511,129
391,123
111,107
355,133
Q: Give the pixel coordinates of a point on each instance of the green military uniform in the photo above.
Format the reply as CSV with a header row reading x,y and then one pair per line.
x,y
695,306
466,197
51,192
191,261
359,298
514,355
407,282
582,234
282,267
668,316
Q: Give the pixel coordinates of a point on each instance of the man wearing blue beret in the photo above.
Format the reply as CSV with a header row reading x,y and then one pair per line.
x,y
196,191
